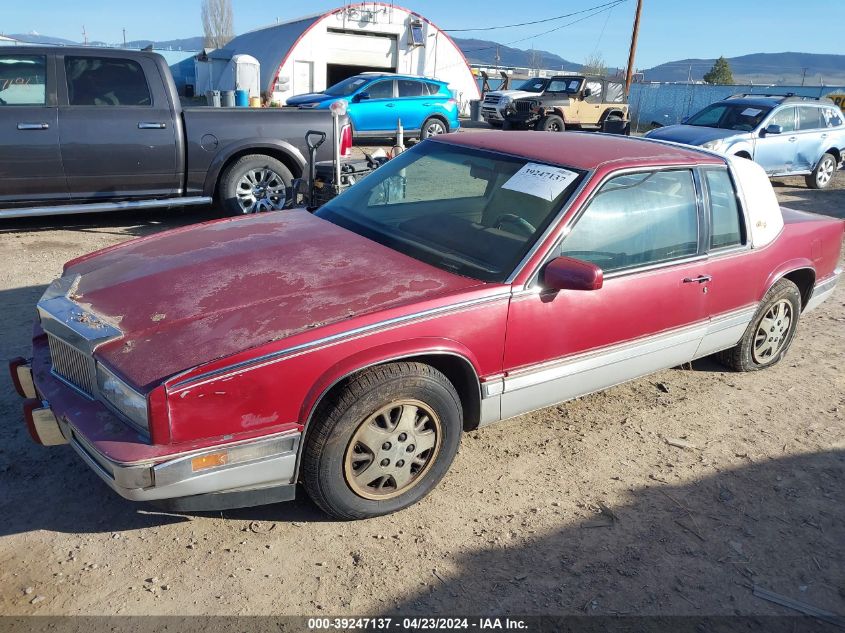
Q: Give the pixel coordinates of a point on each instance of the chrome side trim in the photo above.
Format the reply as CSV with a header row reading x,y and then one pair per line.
x,y
491,410
725,331
101,207
544,385
823,290
260,361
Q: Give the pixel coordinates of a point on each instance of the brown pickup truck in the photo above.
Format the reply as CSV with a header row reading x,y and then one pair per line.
x,y
92,129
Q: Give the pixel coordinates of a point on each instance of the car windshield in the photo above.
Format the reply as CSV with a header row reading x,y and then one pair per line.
x,y
347,86
467,211
534,85
730,116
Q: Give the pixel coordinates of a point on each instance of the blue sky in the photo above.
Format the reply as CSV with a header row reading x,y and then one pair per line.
x,y
671,29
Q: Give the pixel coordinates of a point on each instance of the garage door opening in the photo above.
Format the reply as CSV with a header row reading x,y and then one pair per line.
x,y
339,72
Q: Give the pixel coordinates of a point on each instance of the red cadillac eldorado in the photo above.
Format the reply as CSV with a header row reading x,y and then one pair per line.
x,y
471,279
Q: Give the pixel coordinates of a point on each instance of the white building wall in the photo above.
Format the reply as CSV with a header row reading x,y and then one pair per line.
x,y
439,58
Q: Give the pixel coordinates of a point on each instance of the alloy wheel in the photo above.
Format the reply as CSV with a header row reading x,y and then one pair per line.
x,y
392,450
825,171
434,128
261,190
772,332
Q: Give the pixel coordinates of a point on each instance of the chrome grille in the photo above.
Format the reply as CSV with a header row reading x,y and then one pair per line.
x,y
73,365
523,107
492,99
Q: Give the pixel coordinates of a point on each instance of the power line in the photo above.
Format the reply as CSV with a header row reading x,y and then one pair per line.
x,y
558,17
557,28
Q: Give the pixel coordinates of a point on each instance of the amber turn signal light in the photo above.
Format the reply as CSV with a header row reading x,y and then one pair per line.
x,y
211,460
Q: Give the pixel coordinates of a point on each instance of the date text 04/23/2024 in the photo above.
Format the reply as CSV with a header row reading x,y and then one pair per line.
x,y
417,624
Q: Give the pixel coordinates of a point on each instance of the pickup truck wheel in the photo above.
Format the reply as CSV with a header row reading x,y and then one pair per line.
x,y
771,331
822,175
254,183
550,123
382,441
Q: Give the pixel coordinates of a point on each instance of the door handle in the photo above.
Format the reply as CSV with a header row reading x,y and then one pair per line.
x,y
390,105
145,125
427,105
697,280
33,126
824,136
792,139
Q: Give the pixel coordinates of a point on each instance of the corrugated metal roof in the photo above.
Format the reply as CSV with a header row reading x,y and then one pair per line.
x,y
269,45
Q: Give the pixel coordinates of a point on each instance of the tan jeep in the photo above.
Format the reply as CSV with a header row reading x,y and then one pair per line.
x,y
571,101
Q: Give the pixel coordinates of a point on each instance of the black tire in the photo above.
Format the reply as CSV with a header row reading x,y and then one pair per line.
x,y
346,413
550,123
746,355
433,126
823,173
238,173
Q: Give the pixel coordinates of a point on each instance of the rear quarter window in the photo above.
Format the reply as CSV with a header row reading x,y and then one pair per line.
x,y
106,81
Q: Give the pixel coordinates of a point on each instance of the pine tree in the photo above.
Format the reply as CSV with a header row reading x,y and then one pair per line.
x,y
720,73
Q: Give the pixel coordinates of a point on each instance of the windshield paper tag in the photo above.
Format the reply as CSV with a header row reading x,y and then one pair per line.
x,y
541,181
751,112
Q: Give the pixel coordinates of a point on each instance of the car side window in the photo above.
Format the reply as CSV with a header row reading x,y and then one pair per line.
x,y
23,80
381,90
595,91
637,220
785,119
411,88
432,88
106,81
810,118
833,117
726,226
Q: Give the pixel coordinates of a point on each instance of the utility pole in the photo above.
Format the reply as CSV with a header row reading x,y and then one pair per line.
x,y
124,38
629,77
803,75
84,35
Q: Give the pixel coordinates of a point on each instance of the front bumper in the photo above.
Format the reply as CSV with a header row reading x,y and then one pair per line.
x,y
823,289
57,414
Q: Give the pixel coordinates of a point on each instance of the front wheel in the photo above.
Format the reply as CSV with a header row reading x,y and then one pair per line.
x,y
254,183
433,127
551,123
382,441
822,175
771,331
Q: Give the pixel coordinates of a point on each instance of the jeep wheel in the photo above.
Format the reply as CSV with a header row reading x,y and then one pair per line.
x,y
382,441
550,123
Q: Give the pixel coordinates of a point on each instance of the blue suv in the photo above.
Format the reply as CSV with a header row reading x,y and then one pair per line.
x,y
786,135
377,101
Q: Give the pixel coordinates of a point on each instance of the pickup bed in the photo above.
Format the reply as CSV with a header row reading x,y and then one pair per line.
x,y
85,130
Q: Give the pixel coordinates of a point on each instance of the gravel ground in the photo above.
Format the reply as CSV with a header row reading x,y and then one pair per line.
x,y
580,508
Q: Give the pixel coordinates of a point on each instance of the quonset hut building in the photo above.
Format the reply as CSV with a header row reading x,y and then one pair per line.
x,y
312,53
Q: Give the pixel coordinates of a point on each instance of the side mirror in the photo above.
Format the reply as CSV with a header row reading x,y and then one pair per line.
x,y
361,96
773,129
684,120
588,92
566,273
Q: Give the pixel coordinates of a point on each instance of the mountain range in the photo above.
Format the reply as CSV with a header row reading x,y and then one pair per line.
x,y
759,68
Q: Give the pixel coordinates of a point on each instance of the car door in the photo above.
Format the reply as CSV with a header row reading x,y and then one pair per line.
x,y
30,162
812,137
591,106
735,279
414,104
643,229
375,108
117,133
776,153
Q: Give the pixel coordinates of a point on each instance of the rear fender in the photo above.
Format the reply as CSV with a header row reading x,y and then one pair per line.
x,y
784,269
251,146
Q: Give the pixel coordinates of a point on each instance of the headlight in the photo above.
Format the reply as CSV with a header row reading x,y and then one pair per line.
x,y
122,397
505,100
716,146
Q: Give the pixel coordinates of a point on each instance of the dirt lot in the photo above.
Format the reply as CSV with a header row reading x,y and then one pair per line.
x,y
518,525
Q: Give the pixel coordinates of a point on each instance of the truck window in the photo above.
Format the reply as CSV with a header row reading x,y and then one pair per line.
x,y
23,80
785,119
615,92
106,81
725,223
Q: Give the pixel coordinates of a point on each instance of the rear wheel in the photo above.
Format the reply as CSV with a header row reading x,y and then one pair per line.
x,y
433,127
254,183
382,441
822,175
550,123
771,331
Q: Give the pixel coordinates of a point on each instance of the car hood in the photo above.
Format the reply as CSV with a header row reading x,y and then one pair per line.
x,y
515,94
309,99
691,134
189,296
